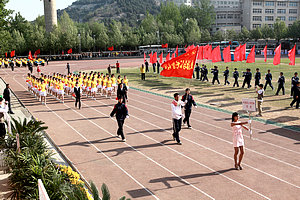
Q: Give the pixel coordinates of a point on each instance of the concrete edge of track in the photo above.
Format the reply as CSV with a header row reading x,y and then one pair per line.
x,y
269,122
52,143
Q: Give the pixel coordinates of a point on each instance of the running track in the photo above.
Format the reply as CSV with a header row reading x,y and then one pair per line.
x,y
149,165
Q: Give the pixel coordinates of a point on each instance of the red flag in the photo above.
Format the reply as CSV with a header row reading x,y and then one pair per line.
x,y
30,56
173,55
176,51
63,53
251,56
216,55
200,53
37,52
182,66
111,48
277,56
151,58
237,54
161,57
154,57
5,54
189,48
265,52
227,54
168,57
207,52
292,55
144,57
164,45
12,53
69,51
243,52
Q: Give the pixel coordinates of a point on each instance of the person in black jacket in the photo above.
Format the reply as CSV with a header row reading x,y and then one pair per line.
x,y
257,77
189,102
268,79
68,68
295,80
6,96
247,79
77,92
121,112
197,70
147,66
158,66
236,77
296,97
281,82
226,75
215,73
205,72
122,92
30,68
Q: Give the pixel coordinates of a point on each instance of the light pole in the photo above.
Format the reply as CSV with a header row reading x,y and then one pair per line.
x,y
94,43
79,36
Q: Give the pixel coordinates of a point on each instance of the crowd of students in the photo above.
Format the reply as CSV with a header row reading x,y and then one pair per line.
x,y
89,84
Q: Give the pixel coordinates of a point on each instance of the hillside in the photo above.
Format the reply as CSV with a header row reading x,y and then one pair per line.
x,y
130,11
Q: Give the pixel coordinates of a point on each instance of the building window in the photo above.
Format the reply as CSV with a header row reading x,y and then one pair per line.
x,y
221,16
269,3
281,3
281,11
256,25
292,18
256,10
237,16
269,18
257,3
293,4
269,11
230,16
281,18
256,18
293,11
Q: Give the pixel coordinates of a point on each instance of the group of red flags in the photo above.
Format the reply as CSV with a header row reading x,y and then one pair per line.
x,y
183,66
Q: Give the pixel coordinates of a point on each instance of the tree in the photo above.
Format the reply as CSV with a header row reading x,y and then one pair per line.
x,y
205,13
293,30
116,37
5,39
18,43
4,13
68,32
244,34
280,29
170,12
231,35
256,34
218,36
192,32
149,24
267,32
205,36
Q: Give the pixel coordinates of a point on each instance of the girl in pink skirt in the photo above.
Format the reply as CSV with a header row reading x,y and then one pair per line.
x,y
238,139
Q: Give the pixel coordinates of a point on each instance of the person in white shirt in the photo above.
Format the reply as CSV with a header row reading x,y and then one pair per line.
x,y
260,96
3,116
176,106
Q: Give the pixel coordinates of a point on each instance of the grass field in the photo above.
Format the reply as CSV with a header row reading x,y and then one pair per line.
x,y
275,108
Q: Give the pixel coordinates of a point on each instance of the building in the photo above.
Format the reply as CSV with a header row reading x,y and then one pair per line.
x,y
228,15
255,13
180,2
50,14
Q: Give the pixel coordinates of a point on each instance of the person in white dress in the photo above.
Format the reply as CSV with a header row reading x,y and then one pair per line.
x,y
238,139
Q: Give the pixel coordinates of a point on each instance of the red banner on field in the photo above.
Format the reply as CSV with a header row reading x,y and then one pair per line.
x,y
227,54
181,66
251,56
164,45
292,55
277,57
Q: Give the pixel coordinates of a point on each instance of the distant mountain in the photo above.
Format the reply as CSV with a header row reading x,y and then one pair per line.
x,y
130,11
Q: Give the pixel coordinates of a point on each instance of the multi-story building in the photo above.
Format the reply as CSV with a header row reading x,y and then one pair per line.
x,y
255,13
180,2
228,15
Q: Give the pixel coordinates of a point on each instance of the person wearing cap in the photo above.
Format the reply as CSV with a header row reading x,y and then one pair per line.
x,y
215,73
257,77
281,82
295,80
247,79
226,75
236,77
189,103
296,97
268,79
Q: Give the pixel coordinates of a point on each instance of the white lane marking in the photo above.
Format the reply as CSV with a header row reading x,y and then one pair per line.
x,y
217,126
128,146
124,171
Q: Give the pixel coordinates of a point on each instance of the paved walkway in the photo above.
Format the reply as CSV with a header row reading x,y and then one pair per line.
x,y
150,166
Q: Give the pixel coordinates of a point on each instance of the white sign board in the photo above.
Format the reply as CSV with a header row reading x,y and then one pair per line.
x,y
249,105
42,191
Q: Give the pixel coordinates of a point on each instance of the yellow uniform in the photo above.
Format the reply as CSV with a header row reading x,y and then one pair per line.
x,y
109,84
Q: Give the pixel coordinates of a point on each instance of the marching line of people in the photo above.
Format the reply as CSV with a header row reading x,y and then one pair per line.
x,y
89,84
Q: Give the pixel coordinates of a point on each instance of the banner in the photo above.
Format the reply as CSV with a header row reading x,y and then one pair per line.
x,y
216,55
227,54
111,48
161,58
181,66
164,45
251,56
292,55
265,52
69,51
168,57
277,57
200,53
